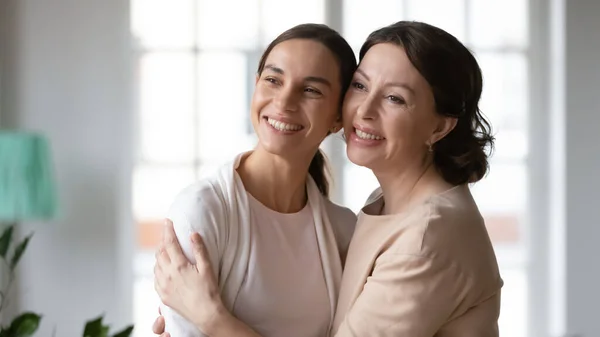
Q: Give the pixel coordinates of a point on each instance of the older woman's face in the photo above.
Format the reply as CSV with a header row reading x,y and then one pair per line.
x,y
389,111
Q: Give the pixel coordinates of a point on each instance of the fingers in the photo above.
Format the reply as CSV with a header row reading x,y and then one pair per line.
x,y
200,252
161,284
158,284
171,244
159,325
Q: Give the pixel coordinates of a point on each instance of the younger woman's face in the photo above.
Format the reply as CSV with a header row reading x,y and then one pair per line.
x,y
296,99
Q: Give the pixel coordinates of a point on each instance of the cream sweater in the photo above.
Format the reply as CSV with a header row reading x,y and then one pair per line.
x,y
218,209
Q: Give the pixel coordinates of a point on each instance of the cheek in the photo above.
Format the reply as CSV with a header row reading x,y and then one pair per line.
x,y
398,125
259,101
322,114
349,110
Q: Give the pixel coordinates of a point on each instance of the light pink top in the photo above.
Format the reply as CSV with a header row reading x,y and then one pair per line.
x,y
284,292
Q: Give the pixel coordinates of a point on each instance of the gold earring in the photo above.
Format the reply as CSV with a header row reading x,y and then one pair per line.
x,y
430,145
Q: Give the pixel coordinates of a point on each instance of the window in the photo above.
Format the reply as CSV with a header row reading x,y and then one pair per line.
x,y
188,51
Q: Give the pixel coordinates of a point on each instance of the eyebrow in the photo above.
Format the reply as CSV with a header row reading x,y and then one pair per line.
x,y
307,79
392,84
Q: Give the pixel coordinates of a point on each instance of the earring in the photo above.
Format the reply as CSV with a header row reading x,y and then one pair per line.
x,y
333,130
430,145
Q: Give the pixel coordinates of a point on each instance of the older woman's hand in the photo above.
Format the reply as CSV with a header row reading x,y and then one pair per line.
x,y
158,327
189,288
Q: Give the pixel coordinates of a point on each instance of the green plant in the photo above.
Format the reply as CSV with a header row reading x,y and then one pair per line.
x,y
26,324
95,328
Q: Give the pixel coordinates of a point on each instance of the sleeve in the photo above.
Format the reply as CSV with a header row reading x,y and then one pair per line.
x,y
194,213
406,295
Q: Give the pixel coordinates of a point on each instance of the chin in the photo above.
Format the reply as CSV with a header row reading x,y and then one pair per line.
x,y
273,148
361,157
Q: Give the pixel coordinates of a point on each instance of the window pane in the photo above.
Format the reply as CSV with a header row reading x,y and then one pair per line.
x,y
160,23
359,183
448,15
223,105
155,187
362,17
513,316
228,23
146,300
511,145
505,98
497,24
166,107
278,16
502,199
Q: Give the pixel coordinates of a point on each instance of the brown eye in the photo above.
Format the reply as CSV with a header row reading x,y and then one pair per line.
x,y
272,80
312,91
396,99
358,85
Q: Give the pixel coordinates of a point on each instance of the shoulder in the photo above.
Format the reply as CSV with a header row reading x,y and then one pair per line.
x,y
201,196
452,219
203,201
455,233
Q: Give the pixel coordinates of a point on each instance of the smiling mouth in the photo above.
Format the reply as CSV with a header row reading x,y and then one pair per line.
x,y
282,126
367,136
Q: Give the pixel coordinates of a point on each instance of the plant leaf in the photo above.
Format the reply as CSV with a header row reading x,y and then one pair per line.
x,y
125,332
19,250
25,325
5,240
104,331
93,328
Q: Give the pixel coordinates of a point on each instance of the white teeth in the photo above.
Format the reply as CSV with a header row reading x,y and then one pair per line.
x,y
281,126
364,135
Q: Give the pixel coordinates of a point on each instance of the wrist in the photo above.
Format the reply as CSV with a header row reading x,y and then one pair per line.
x,y
218,321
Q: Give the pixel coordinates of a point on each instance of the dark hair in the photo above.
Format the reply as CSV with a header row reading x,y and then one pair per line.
x,y
456,81
346,59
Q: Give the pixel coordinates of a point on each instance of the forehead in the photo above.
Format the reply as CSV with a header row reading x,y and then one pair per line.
x,y
303,57
389,62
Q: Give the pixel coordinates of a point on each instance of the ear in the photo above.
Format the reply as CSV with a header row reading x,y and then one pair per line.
x,y
445,125
257,77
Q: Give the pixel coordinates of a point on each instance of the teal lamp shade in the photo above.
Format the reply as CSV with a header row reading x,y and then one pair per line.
x,y
27,189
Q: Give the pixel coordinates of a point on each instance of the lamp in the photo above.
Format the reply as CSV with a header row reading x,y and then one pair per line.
x,y
27,190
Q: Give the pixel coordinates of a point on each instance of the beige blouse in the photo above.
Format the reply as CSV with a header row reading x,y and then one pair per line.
x,y
430,271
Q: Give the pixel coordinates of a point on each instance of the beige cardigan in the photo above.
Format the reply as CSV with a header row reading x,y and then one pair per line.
x,y
428,272
217,208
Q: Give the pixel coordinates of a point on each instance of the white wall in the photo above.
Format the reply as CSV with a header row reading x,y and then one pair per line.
x,y
582,192
66,74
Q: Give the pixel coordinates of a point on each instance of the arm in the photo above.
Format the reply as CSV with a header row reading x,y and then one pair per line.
x,y
191,289
227,325
406,295
192,212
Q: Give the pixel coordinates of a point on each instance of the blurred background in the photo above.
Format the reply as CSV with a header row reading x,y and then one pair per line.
x,y
140,98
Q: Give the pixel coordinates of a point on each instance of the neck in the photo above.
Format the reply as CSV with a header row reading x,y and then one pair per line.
x,y
409,186
277,182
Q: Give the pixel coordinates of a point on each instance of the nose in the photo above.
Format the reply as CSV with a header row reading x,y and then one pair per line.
x,y
367,108
286,99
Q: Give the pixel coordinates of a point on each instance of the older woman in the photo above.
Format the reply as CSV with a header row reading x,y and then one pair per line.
x,y
420,262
